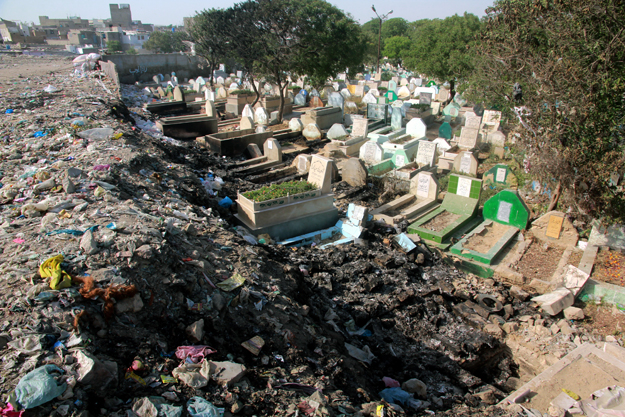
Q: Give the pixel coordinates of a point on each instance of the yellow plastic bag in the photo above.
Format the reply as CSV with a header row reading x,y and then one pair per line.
x,y
231,283
52,268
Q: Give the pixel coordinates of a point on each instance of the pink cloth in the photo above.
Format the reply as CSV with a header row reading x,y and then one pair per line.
x,y
194,353
390,382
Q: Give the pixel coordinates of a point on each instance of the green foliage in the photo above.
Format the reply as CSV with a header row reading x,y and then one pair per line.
x,y
279,190
565,56
395,47
382,89
419,106
166,42
209,32
113,46
242,92
386,76
132,51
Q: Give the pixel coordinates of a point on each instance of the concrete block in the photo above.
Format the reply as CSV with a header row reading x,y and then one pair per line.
x,y
574,313
227,373
556,301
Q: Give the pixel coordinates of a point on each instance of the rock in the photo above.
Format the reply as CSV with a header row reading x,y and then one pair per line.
x,y
144,251
68,185
46,185
574,313
518,293
493,330
554,328
88,243
354,172
415,386
236,407
513,383
555,411
132,305
226,373
566,328
93,371
554,302
196,330
143,407
508,311
487,397
219,302
510,327
611,339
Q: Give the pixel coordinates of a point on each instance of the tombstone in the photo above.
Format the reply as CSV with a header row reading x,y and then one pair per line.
x,y
377,111
384,84
337,132
443,94
320,173
468,138
209,108
360,128
496,138
220,81
403,82
254,150
371,152
261,129
369,98
377,76
156,79
425,98
416,128
197,87
424,186
359,91
396,119
441,144
300,99
392,85
472,121
247,111
459,100
375,92
161,92
296,125
246,123
418,82
500,174
400,158
436,107
490,121
272,150
452,110
404,93
345,93
445,131
261,116
303,163
465,163
426,154
178,94
312,132
314,93
222,93
382,100
336,100
390,96
209,95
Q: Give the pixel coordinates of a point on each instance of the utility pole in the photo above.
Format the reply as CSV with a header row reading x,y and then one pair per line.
x,y
384,17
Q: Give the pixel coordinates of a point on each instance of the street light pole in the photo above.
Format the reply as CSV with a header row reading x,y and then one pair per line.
x,y
383,17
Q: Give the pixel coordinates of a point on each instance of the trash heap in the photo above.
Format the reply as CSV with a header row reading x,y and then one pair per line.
x,y
127,290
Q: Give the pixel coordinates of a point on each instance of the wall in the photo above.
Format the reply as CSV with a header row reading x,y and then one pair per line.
x,y
133,68
110,70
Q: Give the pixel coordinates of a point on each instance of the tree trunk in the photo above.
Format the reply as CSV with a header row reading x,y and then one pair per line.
x,y
555,197
255,90
211,68
281,110
452,91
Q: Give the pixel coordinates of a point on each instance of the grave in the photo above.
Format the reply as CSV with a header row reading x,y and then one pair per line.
x,y
472,121
500,174
235,142
271,158
403,142
324,117
421,198
351,145
371,153
316,101
188,127
465,163
178,94
490,123
303,163
297,214
246,123
261,116
445,131
247,111
209,108
397,119
441,145
170,107
416,128
378,112
455,213
426,153
555,229
504,215
337,100
312,132
468,138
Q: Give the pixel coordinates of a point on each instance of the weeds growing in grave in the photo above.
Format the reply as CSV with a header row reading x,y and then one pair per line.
x,y
279,190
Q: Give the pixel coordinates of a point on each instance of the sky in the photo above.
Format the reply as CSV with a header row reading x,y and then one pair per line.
x,y
162,12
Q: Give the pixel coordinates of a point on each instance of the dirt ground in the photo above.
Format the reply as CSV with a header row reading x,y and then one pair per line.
x,y
603,320
12,68
484,241
539,261
441,221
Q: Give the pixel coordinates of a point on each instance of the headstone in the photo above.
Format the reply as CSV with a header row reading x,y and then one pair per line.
x,y
424,186
426,154
359,90
336,100
459,100
161,92
300,99
261,116
390,96
466,163
222,93
377,111
553,223
354,172
374,92
441,144
314,93
261,129
396,119
209,95
303,163
320,173
392,85
404,93
425,98
246,123
490,122
500,174
452,110
468,138
436,108
156,79
345,93
312,132
472,121
417,81
337,132
296,125
178,94
416,128
272,150
316,101
496,138
369,98
247,111
382,100
554,227
507,207
360,128
371,152
254,150
443,94
445,131
400,158
209,108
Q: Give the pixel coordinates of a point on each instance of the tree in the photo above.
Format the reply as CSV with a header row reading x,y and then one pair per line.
x,y
395,48
394,27
390,28
441,48
568,58
166,42
113,46
132,51
210,32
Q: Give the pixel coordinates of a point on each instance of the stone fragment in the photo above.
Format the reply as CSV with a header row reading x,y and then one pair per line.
x,y
354,172
132,305
415,386
518,293
46,185
226,373
68,185
554,328
574,313
510,327
493,330
88,243
93,371
487,397
554,302
219,302
196,330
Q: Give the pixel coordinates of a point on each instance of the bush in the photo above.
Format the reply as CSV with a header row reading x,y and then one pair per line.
x,y
419,106
241,92
279,190
386,76
382,89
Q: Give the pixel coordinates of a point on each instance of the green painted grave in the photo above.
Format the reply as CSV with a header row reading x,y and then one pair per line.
x,y
462,198
500,174
445,131
390,96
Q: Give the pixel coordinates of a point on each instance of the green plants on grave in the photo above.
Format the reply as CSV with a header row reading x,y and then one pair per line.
x,y
382,89
443,182
241,93
279,190
295,87
419,106
386,76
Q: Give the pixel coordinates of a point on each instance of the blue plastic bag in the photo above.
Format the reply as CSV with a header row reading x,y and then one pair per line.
x,y
395,395
199,407
39,386
225,202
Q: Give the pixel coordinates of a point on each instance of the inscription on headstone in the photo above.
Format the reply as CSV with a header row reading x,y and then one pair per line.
x,y
503,214
425,98
465,163
501,175
423,186
426,152
400,161
464,187
554,227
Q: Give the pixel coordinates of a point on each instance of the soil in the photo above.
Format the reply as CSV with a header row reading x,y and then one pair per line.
x,y
539,261
441,221
485,240
603,320
609,267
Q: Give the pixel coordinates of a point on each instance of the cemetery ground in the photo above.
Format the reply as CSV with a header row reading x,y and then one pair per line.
x,y
285,331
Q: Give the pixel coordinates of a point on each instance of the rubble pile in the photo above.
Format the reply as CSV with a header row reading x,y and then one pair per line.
x,y
128,291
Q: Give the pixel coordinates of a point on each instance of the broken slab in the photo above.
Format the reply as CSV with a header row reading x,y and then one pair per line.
x,y
188,127
554,302
554,228
226,373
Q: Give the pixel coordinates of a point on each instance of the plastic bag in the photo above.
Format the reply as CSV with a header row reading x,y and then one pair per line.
x,y
395,395
39,386
99,133
50,89
225,202
199,407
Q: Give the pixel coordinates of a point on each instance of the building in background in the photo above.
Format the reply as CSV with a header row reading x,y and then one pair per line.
x,y
121,15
